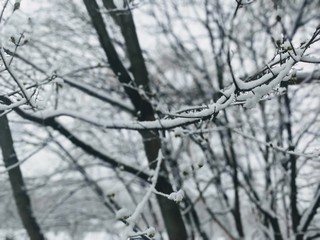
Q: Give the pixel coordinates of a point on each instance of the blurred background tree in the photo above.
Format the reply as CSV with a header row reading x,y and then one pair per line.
x,y
247,172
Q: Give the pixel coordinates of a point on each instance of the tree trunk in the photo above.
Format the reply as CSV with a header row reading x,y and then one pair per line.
x,y
18,186
144,110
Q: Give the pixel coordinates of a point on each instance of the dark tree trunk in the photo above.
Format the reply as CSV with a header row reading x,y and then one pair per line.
x,y
144,110
18,186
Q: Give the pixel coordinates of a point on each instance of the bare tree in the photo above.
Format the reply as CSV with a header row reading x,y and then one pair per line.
x,y
202,117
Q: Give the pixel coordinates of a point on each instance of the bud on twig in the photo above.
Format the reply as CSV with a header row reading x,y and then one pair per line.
x,y
16,5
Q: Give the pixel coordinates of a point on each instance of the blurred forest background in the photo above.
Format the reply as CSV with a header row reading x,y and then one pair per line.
x,y
167,119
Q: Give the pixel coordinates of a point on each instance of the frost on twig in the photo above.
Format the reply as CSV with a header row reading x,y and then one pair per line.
x,y
248,92
176,196
131,219
123,214
25,92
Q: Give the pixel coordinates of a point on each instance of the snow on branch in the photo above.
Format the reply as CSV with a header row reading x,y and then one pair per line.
x,y
313,155
131,219
248,93
23,89
21,102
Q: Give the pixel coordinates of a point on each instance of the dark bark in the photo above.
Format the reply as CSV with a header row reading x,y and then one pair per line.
x,y
310,213
295,216
232,162
51,122
152,144
18,186
113,58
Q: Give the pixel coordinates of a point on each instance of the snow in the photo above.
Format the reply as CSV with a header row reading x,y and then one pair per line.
x,y
286,45
58,81
132,220
176,196
310,59
178,132
13,105
150,231
123,213
186,170
257,87
252,84
141,125
200,163
261,90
